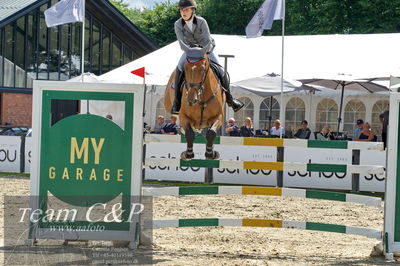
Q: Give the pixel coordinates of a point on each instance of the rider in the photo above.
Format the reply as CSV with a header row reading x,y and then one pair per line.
x,y
193,33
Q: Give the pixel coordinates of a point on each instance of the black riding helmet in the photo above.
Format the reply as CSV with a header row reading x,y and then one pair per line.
x,y
187,3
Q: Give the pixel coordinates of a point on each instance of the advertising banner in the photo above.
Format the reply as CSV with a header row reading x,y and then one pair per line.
x,y
246,177
10,156
173,150
323,180
375,183
28,154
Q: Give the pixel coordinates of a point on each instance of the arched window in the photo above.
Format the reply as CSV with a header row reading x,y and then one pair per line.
x,y
378,108
246,111
354,110
327,114
161,111
269,104
295,113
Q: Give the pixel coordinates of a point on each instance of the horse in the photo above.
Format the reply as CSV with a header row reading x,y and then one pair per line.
x,y
202,104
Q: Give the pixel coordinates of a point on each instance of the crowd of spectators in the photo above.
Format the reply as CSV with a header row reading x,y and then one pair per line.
x,y
362,132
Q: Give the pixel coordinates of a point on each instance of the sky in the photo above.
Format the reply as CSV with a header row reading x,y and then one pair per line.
x,y
142,3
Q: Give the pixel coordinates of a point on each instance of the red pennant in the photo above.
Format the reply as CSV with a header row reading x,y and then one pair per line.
x,y
138,72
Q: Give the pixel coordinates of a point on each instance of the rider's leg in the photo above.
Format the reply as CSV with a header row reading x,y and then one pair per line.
x,y
178,84
235,104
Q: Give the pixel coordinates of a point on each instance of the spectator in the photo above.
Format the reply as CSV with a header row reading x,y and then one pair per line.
x,y
366,134
109,117
171,128
325,134
384,118
160,124
304,132
277,130
146,128
359,127
232,129
247,129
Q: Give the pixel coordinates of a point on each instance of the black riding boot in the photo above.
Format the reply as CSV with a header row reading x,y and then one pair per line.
x,y
234,103
178,93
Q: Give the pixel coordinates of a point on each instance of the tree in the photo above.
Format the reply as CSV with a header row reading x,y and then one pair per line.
x,y
302,17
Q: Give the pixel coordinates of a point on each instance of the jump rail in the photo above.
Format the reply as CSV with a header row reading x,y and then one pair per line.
x,y
263,191
277,166
275,142
371,233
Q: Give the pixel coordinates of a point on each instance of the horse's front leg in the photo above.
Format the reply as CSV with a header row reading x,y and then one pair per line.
x,y
210,136
189,135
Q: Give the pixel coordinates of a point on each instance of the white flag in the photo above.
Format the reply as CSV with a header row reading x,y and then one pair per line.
x,y
65,11
269,11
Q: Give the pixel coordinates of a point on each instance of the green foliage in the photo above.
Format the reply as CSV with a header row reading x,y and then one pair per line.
x,y
302,17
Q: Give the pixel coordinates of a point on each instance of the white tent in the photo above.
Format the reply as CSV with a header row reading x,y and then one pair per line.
x,y
363,55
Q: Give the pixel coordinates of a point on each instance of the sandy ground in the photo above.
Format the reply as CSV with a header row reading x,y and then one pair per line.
x,y
229,245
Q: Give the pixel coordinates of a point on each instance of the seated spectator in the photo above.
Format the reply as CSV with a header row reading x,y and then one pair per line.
x,y
146,128
160,124
109,117
277,130
359,127
247,129
171,128
326,134
232,129
304,132
366,134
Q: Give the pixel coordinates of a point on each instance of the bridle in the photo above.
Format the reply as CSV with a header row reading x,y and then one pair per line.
x,y
198,87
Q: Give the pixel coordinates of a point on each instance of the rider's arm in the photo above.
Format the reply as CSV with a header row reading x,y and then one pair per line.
x,y
181,38
207,41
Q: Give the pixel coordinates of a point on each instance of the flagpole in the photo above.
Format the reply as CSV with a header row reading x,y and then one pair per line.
x,y
282,63
83,40
83,50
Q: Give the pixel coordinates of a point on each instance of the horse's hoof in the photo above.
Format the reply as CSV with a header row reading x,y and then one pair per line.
x,y
214,156
187,156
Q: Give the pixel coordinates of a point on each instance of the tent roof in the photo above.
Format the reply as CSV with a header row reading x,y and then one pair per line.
x,y
361,55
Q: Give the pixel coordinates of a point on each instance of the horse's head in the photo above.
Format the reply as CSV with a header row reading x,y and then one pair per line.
x,y
196,70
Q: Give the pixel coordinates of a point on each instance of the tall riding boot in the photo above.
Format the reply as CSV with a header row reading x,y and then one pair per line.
x,y
234,103
178,93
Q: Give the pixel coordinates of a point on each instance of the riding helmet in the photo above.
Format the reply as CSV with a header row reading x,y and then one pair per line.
x,y
187,3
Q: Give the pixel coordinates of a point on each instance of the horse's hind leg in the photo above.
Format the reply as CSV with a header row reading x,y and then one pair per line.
x,y
189,135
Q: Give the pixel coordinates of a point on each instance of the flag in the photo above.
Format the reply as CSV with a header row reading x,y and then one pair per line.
x,y
269,11
138,72
65,11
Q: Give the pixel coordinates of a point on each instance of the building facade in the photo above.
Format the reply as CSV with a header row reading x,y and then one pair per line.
x,y
31,51
318,109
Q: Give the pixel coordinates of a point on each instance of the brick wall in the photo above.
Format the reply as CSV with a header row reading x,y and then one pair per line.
x,y
16,109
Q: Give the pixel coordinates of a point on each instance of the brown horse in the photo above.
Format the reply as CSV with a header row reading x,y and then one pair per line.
x,y
202,105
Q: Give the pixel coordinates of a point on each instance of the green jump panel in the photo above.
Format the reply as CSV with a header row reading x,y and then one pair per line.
x,y
316,194
198,190
201,140
336,168
336,144
200,163
326,227
198,222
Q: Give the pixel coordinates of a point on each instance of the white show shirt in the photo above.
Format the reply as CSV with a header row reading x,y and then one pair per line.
x,y
189,23
277,132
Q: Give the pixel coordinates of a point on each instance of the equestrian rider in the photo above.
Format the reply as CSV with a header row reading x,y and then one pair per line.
x,y
192,32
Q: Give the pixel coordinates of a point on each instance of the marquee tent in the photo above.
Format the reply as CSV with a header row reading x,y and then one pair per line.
x,y
363,55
